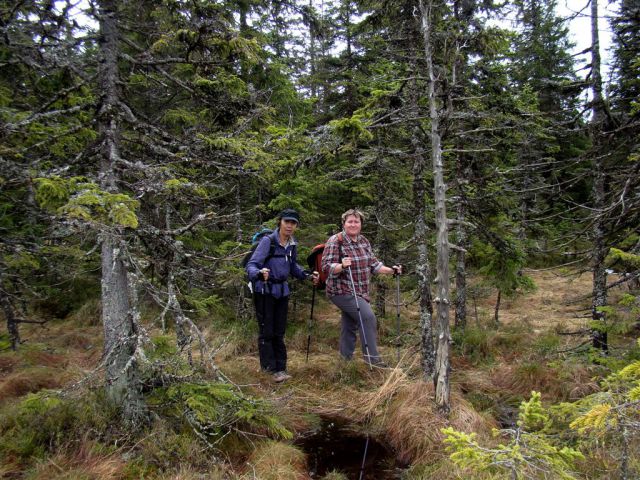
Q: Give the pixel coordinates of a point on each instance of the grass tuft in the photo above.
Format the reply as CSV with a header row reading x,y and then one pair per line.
x,y
86,462
276,461
31,380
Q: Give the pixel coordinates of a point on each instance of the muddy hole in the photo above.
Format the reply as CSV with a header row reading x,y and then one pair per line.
x,y
334,446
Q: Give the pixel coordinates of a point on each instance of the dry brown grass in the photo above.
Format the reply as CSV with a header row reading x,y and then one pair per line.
x,y
186,472
78,340
478,380
276,461
554,302
522,378
8,363
80,464
31,380
557,383
412,424
402,410
44,359
89,314
578,382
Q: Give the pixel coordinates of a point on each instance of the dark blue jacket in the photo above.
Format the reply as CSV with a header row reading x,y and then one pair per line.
x,y
282,264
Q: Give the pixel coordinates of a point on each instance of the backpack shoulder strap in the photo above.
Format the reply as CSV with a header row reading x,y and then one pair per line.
x,y
272,249
340,244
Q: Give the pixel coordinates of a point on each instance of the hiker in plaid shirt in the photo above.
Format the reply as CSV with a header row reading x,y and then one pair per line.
x,y
349,250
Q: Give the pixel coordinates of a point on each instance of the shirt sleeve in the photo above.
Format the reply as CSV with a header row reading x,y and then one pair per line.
x,y
256,262
374,263
330,255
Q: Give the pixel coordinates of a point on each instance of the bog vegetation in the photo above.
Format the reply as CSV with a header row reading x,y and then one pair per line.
x,y
142,144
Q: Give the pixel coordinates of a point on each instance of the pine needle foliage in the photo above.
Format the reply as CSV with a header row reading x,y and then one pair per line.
x,y
529,453
612,416
214,410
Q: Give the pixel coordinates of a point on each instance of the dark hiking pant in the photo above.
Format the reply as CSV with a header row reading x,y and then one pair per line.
x,y
351,324
272,322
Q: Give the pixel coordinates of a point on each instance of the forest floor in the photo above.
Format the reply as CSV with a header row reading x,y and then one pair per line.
x,y
494,368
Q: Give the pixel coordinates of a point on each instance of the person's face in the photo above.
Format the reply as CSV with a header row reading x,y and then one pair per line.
x,y
288,227
352,225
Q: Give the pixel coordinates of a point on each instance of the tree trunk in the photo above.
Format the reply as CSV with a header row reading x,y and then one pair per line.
x,y
382,249
496,311
423,269
442,367
599,252
461,241
237,217
312,56
9,315
120,333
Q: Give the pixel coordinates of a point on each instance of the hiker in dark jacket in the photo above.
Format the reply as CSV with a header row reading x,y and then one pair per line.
x,y
268,269
349,255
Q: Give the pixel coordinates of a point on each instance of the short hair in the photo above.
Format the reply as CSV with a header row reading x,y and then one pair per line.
x,y
355,212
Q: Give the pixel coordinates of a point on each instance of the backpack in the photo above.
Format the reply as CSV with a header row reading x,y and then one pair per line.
x,y
314,260
255,240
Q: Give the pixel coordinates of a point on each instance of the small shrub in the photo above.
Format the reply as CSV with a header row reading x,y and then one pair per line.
x,y
547,343
214,409
162,448
527,452
44,421
474,343
5,342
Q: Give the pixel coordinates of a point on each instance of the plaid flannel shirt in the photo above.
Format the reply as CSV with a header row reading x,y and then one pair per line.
x,y
363,265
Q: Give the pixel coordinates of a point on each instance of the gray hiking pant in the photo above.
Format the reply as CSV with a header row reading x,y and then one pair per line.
x,y
351,324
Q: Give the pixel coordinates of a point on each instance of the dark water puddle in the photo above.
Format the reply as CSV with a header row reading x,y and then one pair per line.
x,y
336,447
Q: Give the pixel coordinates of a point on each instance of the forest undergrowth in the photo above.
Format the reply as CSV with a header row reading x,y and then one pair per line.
x,y
56,424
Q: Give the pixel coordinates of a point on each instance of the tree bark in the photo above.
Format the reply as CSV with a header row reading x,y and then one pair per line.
x,y
599,252
120,332
461,240
496,310
9,315
442,366
423,269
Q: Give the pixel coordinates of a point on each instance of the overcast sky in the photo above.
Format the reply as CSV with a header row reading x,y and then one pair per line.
x,y
580,27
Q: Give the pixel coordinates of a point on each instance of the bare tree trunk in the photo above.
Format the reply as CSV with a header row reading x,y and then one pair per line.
x,y
120,332
423,269
382,249
461,270
313,61
9,314
599,252
442,367
496,311
237,217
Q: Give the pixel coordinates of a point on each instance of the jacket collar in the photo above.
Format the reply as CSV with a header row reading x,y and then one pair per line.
x,y
348,238
276,238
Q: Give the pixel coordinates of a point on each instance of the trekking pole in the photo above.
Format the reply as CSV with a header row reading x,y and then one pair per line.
x,y
364,458
397,275
264,302
310,324
364,336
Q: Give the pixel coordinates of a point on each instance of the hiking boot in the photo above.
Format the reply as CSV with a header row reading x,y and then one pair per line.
x,y
280,377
